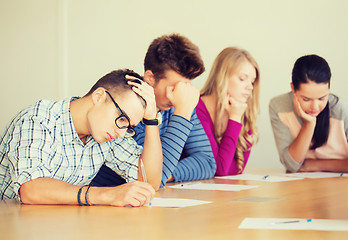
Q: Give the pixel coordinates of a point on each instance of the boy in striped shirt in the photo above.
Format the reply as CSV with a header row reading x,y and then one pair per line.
x,y
171,63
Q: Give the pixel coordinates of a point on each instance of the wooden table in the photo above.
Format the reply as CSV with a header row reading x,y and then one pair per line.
x,y
308,198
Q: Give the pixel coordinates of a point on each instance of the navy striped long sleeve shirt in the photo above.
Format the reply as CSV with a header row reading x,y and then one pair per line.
x,y
187,153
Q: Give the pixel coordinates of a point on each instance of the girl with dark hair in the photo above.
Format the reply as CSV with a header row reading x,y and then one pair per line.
x,y
310,124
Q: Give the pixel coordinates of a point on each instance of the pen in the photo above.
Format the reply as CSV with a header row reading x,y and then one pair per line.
x,y
143,170
144,174
189,183
294,221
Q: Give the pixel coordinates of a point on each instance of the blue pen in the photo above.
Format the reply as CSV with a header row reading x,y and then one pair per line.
x,y
293,221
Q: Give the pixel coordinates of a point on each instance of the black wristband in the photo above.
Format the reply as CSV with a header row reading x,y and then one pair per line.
x,y
150,122
86,196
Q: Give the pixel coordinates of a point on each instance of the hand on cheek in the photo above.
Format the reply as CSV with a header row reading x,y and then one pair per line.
x,y
184,98
300,112
235,109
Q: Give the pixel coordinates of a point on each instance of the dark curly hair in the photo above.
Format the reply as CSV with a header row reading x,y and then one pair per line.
x,y
116,82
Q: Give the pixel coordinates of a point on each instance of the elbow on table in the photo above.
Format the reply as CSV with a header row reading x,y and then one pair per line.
x,y
212,171
156,186
224,172
221,173
26,194
289,163
211,174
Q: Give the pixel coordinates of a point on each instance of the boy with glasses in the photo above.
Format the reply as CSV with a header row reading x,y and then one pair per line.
x,y
171,63
51,151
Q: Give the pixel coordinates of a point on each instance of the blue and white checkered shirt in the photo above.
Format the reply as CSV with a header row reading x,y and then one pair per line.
x,y
41,141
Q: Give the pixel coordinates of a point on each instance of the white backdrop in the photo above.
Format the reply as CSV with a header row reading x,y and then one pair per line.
x,y
57,48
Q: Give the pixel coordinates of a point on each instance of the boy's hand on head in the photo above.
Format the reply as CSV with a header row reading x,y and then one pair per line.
x,y
147,93
184,97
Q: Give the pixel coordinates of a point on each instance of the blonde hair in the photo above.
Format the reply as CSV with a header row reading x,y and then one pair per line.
x,y
225,64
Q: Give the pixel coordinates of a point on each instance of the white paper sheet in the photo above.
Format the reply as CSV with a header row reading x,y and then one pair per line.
x,y
264,178
294,224
316,174
212,186
175,202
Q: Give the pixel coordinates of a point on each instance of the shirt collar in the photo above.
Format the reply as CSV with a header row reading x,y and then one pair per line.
x,y
68,132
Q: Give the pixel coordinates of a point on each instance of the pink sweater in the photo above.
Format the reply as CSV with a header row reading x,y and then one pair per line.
x,y
223,153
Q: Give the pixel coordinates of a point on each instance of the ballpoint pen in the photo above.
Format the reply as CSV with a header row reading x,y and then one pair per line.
x,y
144,174
292,221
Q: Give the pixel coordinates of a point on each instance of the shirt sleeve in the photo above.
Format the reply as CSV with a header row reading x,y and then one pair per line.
x,y
344,108
27,152
226,164
223,153
283,138
197,161
187,153
125,158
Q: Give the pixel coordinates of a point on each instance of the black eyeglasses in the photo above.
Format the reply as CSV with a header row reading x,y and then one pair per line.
x,y
122,121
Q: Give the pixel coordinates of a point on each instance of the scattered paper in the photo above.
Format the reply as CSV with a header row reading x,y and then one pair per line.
x,y
295,224
316,174
175,202
265,178
212,186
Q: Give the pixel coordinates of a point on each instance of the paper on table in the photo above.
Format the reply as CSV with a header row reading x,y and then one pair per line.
x,y
316,174
212,186
175,202
294,224
256,177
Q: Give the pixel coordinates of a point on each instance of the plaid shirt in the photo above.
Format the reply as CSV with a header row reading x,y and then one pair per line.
x,y
41,141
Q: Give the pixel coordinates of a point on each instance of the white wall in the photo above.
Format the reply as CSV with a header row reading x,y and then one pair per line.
x,y
58,48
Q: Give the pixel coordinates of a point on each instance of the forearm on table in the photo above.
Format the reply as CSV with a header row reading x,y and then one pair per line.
x,y
48,191
195,167
330,165
51,191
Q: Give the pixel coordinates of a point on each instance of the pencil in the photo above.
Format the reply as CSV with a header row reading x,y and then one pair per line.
x,y
143,170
